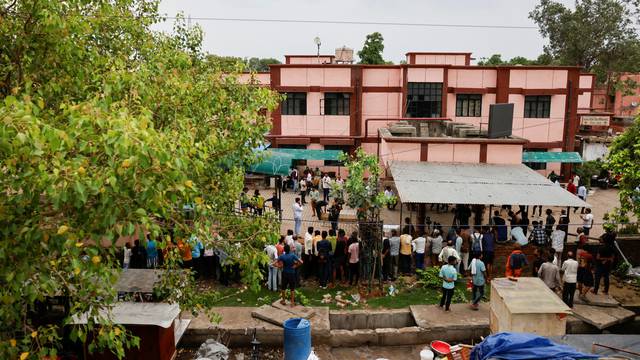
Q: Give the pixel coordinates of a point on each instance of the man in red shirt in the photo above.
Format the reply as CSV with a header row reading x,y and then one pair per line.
x,y
571,187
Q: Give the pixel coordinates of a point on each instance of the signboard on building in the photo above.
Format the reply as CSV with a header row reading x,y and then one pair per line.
x,y
594,120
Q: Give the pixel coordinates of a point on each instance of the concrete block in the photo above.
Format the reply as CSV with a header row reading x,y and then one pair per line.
x,y
353,338
402,336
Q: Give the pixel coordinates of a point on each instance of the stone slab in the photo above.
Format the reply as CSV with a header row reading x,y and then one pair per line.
x,y
296,311
602,317
461,316
596,300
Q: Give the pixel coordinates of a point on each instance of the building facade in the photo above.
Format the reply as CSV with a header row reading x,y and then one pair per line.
x,y
343,106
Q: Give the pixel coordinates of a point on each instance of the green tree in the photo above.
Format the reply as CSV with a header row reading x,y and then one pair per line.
x,y
598,35
493,60
371,52
107,129
624,159
363,194
260,64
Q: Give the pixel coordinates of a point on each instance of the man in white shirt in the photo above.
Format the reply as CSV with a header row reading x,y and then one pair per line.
x,y
448,251
297,215
272,253
289,239
587,221
419,245
309,251
582,194
570,277
326,186
557,243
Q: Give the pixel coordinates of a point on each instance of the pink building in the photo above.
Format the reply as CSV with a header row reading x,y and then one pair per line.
x,y
343,106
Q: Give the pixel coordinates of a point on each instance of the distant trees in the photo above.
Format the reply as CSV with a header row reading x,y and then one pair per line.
x,y
599,35
372,49
496,59
233,63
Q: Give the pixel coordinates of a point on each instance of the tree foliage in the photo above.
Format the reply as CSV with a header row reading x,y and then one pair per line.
x,y
624,159
496,59
232,63
372,49
598,35
108,129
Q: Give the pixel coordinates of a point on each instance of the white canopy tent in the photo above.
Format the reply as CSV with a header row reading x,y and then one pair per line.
x,y
486,184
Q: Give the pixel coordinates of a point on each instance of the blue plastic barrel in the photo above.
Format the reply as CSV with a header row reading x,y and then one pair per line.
x,y
297,339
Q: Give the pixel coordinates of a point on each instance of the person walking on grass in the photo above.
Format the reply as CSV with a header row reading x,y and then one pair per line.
x,y
449,275
419,246
324,259
436,246
479,276
288,262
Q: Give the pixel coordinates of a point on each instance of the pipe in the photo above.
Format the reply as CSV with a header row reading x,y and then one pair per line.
x,y
593,349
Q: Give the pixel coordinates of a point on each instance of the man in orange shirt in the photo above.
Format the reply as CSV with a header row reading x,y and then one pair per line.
x,y
516,262
185,252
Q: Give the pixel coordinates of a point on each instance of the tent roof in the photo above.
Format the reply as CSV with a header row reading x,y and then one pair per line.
x,y
550,156
488,184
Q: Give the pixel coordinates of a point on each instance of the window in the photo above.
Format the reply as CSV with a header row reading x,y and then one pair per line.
x,y
345,149
424,99
537,165
468,105
336,103
295,104
537,106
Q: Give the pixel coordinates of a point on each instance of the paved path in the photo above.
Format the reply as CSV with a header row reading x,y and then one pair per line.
x,y
602,201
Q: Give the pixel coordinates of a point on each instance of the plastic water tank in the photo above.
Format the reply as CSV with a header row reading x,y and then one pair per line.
x,y
297,339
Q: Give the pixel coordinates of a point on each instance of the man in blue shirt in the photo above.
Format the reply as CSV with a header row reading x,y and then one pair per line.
x,y
288,262
478,274
449,275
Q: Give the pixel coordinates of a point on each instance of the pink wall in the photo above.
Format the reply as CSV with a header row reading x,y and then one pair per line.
x,y
440,59
382,77
472,78
504,154
425,75
322,59
539,130
329,76
314,123
398,151
482,121
623,105
538,79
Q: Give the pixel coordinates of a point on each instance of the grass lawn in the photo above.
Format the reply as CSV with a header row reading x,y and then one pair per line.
x,y
312,295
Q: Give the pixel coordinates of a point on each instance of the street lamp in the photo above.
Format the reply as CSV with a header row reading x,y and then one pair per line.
x,y
316,40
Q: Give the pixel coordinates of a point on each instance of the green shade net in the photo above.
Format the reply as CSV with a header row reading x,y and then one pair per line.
x,y
547,157
304,154
273,163
278,161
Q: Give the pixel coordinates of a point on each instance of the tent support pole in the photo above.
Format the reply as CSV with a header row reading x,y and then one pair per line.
x,y
400,221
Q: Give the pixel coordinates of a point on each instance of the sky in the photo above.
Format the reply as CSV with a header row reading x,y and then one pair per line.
x,y
269,39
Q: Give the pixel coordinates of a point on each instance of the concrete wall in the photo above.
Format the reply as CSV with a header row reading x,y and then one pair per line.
x,y
308,59
623,105
438,59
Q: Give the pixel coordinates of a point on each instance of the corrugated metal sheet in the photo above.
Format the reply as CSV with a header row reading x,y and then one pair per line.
x,y
487,184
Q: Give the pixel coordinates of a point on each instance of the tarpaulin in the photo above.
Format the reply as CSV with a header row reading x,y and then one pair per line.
x,y
520,346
